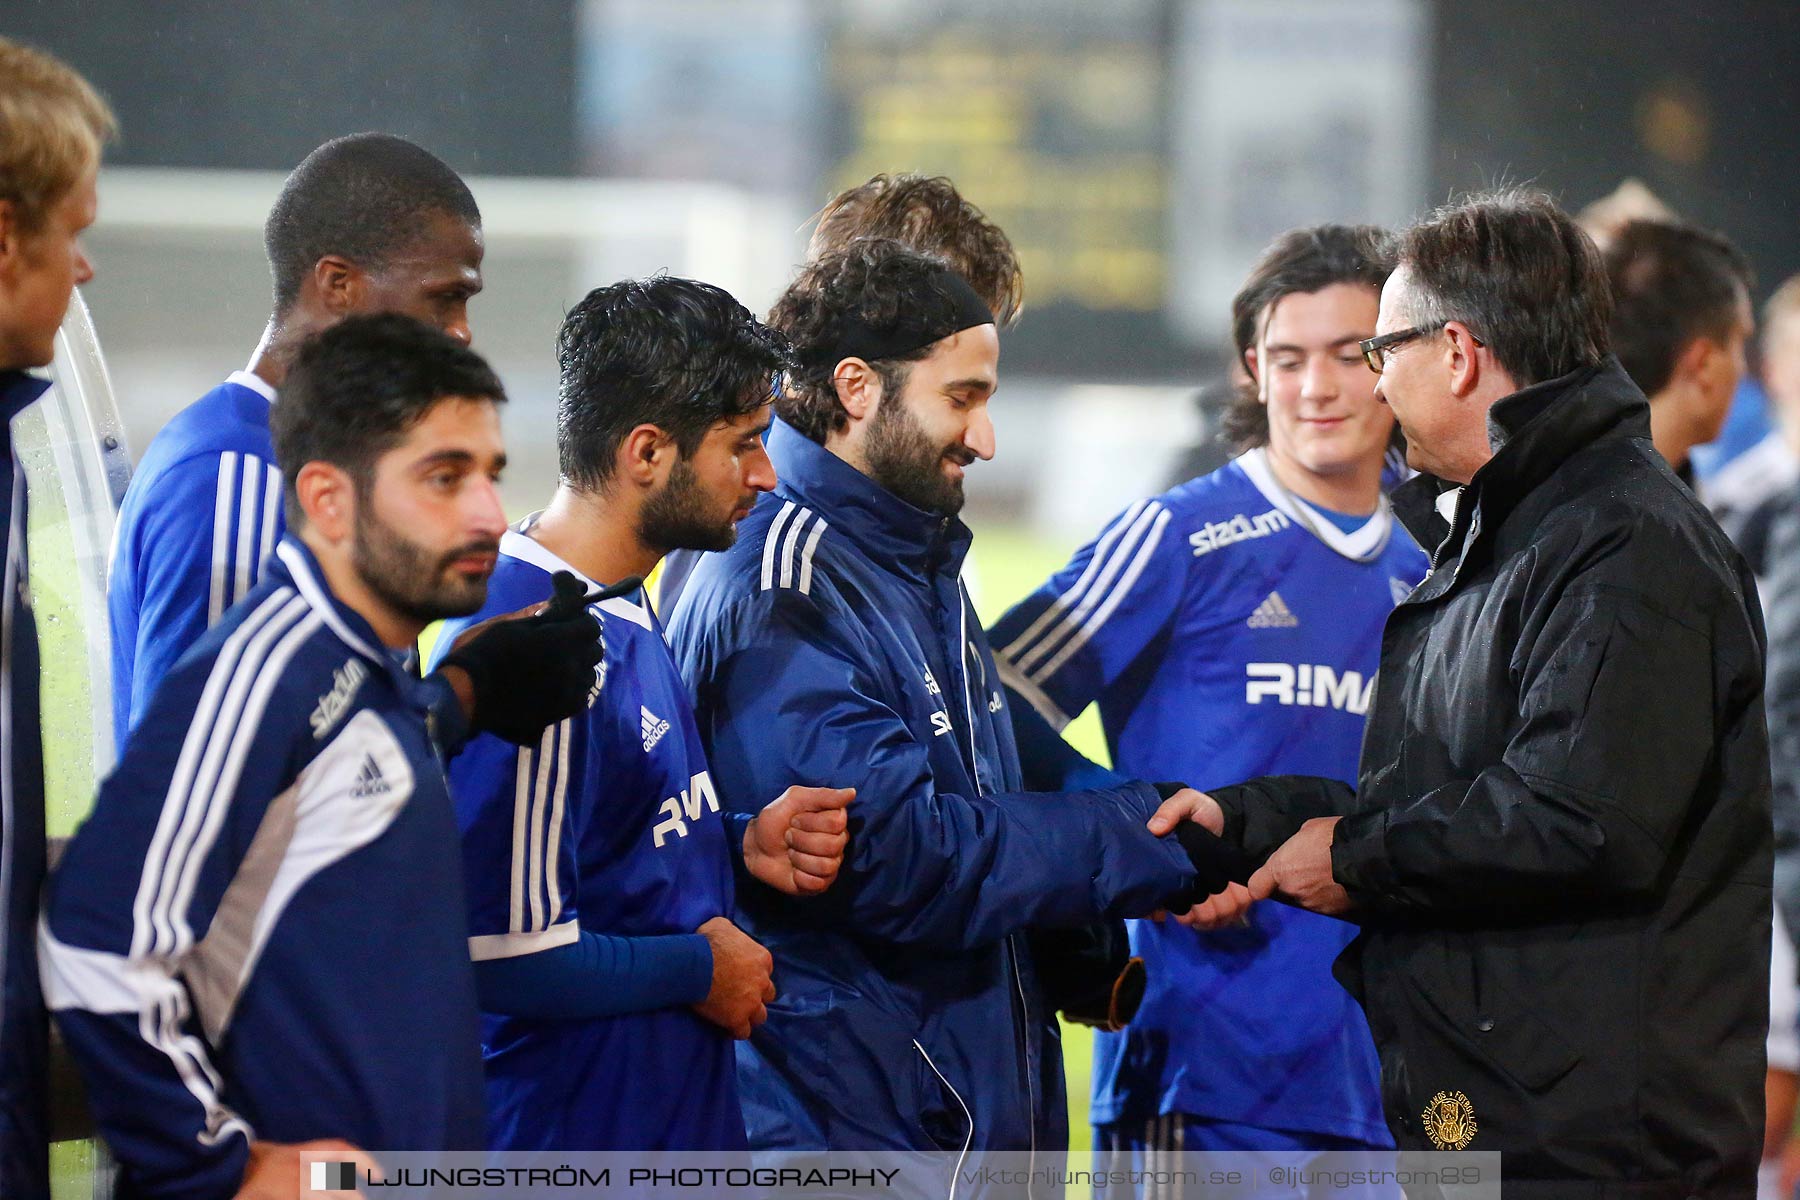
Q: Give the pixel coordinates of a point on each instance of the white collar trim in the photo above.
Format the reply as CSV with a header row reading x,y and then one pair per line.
x,y
253,381
516,543
1362,545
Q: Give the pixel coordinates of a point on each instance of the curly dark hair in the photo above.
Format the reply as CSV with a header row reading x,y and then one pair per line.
x,y
668,352
927,214
877,282
1299,261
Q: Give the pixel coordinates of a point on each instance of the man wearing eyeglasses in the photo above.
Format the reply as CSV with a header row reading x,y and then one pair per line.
x,y
1559,851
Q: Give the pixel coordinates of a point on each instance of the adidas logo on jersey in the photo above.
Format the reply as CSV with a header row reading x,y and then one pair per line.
x,y
369,780
654,728
1273,613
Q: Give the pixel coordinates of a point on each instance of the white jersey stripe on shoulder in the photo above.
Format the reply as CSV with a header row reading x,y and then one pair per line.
x,y
224,504
806,556
196,793
769,544
521,837
553,844
1032,693
1061,604
272,616
218,794
540,794
279,609
1116,558
250,496
1117,596
794,529
271,519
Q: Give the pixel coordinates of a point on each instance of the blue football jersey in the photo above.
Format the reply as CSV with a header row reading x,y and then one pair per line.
x,y
199,520
1227,630
611,823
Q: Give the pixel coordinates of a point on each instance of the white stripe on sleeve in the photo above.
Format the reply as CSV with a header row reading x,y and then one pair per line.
x,y
224,503
1073,595
1117,596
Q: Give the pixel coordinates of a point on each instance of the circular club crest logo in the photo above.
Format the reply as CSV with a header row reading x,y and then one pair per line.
x,y
1450,1121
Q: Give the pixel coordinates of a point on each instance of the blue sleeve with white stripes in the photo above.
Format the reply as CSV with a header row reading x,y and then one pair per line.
x,y
513,806
1060,647
200,544
924,866
132,903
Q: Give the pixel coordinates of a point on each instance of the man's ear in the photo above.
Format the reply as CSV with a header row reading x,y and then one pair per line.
x,y
858,388
1697,360
341,286
1253,367
1463,358
328,498
647,455
12,236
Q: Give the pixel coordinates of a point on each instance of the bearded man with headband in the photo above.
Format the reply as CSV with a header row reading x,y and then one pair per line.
x,y
834,643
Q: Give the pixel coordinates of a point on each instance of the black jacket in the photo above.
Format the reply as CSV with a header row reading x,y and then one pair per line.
x,y
1560,848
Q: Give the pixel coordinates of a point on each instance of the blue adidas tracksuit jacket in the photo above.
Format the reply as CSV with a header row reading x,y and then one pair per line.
x,y
260,932
24,1165
834,646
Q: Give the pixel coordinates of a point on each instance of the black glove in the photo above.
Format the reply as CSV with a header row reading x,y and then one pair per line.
x,y
531,672
1088,974
1216,862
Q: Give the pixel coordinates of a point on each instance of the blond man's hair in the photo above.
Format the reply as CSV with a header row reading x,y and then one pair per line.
x,y
52,126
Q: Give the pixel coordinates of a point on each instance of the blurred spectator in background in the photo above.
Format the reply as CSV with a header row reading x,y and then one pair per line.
x,y
52,126
1681,321
1630,201
1781,1087
1750,490
367,223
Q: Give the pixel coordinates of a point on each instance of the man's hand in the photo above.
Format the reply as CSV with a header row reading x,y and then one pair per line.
x,y
1300,871
741,983
1189,805
796,844
1227,908
530,669
275,1170
1196,821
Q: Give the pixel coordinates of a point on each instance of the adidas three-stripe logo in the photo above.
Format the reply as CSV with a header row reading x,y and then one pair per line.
x,y
653,726
788,552
369,780
1273,613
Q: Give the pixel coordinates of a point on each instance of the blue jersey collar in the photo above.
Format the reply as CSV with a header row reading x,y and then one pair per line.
x,y
18,389
885,527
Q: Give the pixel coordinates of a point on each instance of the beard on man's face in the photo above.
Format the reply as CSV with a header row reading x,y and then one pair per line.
x,y
411,579
903,459
681,516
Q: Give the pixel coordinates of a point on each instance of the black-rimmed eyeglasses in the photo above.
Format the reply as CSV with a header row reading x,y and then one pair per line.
x,y
1374,351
